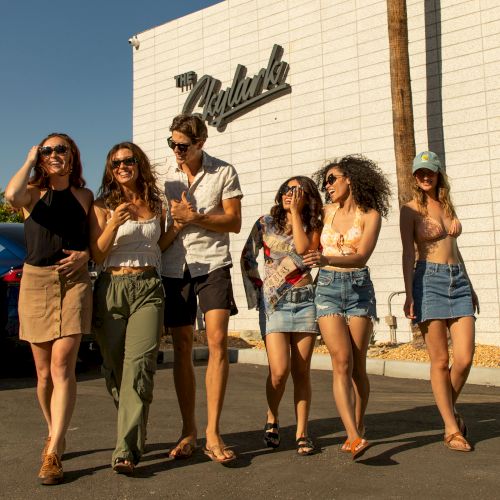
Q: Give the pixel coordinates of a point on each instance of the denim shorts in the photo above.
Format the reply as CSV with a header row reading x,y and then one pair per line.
x,y
295,312
345,293
441,291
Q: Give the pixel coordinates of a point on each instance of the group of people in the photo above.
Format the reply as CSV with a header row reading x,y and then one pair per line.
x,y
162,246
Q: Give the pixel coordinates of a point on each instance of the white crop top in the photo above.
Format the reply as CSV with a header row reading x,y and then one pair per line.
x,y
136,245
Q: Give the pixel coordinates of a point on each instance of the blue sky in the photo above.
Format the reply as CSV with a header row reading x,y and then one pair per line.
x,y
66,66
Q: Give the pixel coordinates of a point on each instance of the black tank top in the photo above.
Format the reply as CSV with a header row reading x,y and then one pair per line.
x,y
57,221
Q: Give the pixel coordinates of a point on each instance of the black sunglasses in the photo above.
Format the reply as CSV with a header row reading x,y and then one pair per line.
x,y
288,189
60,149
130,161
330,180
182,147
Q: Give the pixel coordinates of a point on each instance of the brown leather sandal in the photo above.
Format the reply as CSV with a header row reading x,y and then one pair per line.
x,y
457,436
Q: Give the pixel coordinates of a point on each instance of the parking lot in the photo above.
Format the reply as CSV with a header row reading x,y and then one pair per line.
x,y
407,459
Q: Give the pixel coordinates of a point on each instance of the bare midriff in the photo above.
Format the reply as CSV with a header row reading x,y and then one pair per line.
x,y
117,271
441,251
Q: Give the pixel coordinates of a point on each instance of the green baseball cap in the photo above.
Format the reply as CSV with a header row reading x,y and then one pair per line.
x,y
428,160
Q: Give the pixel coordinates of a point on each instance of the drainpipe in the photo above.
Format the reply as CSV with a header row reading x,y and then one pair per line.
x,y
390,319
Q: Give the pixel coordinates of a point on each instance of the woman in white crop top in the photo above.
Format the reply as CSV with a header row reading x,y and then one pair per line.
x,y
357,196
126,226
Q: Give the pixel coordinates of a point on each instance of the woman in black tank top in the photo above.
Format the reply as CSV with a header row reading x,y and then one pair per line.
x,y
55,299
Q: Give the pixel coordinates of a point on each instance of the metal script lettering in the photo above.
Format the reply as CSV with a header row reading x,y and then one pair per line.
x,y
245,93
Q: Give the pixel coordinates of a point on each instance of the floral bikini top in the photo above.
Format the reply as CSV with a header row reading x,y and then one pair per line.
x,y
335,243
429,229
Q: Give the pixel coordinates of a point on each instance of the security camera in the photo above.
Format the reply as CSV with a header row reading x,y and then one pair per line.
x,y
134,41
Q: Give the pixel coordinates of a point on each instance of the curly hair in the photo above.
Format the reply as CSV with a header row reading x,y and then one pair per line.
x,y
40,178
443,191
311,213
110,191
369,186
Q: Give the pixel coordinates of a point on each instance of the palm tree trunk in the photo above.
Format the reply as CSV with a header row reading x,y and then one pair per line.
x,y
402,107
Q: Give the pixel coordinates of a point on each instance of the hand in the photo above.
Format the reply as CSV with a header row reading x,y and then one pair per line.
x,y
455,228
121,214
475,301
75,260
297,201
32,156
408,308
182,211
314,258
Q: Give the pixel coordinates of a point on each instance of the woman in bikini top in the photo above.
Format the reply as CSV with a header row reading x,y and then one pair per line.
x,y
439,295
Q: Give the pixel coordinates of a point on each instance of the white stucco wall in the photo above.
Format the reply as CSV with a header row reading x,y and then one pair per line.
x,y
340,103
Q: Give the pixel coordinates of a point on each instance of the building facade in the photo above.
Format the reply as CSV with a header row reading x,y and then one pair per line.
x,y
331,96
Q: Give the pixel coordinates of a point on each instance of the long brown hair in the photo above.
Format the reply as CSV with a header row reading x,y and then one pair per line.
x,y
110,190
311,213
443,193
40,178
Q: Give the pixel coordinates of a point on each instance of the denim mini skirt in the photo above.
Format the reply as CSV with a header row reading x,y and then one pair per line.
x,y
440,291
295,312
345,293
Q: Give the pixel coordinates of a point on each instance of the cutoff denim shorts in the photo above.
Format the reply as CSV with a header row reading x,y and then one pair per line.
x,y
345,293
295,312
441,291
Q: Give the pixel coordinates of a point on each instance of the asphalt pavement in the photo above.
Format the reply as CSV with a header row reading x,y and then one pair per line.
x,y
407,458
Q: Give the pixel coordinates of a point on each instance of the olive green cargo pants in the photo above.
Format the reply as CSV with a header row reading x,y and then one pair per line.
x,y
128,317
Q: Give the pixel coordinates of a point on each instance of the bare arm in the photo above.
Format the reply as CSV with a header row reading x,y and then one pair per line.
x,y
103,233
407,230
17,192
227,222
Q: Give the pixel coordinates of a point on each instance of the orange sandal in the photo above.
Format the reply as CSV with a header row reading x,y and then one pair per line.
x,y
358,447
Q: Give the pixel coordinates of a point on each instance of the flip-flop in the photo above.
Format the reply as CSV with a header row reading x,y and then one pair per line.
x,y
346,447
456,436
356,449
183,451
213,452
123,466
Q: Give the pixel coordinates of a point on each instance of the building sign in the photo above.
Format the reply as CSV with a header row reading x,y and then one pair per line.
x,y
246,93
185,80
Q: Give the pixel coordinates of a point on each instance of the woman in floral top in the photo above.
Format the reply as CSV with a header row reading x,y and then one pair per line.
x,y
285,298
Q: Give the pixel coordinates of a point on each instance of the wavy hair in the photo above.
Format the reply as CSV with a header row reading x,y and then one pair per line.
x,y
311,213
443,192
40,177
369,186
110,190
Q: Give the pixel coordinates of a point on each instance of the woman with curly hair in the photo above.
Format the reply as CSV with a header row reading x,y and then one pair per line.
x,y
126,227
55,299
285,299
439,293
358,195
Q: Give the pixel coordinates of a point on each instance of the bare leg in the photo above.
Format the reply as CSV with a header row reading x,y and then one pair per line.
x,y
278,355
435,336
62,369
302,346
41,354
216,322
185,387
338,341
360,329
462,331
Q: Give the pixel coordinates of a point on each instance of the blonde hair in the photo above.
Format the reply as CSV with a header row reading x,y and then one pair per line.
x,y
443,191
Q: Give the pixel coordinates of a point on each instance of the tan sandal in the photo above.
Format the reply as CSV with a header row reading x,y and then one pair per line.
x,y
457,436
214,453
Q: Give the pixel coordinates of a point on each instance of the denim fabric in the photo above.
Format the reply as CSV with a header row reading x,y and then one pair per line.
x,y
288,316
441,291
345,293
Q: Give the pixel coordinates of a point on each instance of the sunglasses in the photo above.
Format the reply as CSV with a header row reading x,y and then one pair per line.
x,y
60,149
288,189
181,146
129,162
330,180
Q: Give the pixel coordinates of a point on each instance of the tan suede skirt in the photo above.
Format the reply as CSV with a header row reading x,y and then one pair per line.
x,y
53,306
